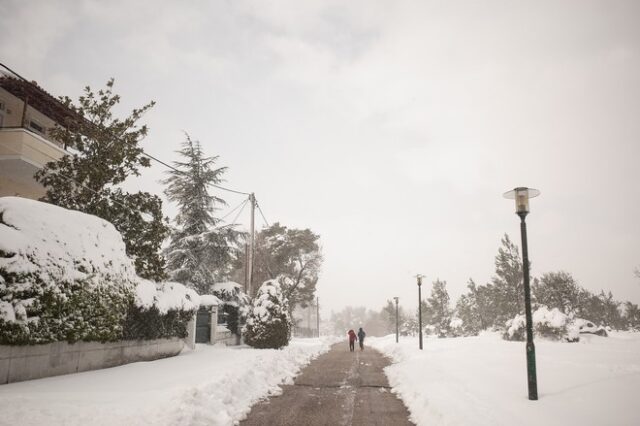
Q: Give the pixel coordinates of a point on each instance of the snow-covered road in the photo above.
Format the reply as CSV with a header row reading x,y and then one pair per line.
x,y
211,385
482,380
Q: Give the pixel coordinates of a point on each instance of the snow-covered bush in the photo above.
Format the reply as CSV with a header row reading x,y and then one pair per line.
x,y
235,303
456,327
160,310
268,323
550,324
64,276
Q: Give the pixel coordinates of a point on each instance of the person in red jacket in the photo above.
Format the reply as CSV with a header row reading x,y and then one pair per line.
x,y
352,340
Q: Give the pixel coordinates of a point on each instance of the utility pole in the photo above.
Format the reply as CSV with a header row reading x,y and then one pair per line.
x,y
252,199
396,298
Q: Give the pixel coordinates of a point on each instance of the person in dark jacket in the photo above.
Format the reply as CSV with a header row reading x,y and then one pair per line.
x,y
361,335
352,340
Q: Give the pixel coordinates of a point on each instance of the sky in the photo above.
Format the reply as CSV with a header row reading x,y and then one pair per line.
x,y
391,129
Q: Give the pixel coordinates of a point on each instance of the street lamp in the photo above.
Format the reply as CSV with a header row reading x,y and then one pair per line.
x,y
522,195
420,277
396,299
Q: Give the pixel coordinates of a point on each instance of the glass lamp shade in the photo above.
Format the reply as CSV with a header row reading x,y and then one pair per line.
x,y
522,195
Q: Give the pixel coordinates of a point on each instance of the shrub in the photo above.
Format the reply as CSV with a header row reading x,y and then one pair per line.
x,y
268,323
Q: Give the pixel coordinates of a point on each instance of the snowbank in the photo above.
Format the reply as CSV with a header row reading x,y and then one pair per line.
x,y
211,385
482,380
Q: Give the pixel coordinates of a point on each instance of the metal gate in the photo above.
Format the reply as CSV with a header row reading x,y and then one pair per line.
x,y
203,325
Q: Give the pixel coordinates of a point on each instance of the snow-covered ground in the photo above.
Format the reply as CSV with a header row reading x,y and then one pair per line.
x,y
211,385
482,380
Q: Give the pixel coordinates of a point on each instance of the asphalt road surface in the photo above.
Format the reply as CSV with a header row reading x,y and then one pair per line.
x,y
337,388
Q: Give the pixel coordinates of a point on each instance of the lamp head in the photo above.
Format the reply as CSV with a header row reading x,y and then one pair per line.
x,y
522,195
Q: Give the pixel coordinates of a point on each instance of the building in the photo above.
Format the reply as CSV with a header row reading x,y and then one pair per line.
x,y
27,114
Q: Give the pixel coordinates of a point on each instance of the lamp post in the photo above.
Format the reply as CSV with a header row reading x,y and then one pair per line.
x,y
396,299
522,195
419,277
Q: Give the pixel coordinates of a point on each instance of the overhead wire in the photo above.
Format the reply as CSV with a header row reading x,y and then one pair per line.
x,y
234,209
243,204
262,214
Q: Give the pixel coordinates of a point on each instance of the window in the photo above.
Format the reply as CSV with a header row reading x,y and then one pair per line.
x,y
37,127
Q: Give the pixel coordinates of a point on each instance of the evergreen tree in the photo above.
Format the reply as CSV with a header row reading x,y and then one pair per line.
x,y
507,292
292,256
389,315
439,312
200,253
268,323
557,290
632,316
469,310
103,152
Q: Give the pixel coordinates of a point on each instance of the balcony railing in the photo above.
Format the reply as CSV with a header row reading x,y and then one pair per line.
x,y
22,144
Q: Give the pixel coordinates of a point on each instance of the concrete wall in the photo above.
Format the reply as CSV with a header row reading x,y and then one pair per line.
x,y
18,363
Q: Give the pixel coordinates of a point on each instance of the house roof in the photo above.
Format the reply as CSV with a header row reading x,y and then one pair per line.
x,y
38,98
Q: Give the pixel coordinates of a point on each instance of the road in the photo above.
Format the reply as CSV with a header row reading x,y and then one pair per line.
x,y
337,388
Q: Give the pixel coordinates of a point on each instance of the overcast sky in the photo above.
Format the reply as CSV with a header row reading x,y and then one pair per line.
x,y
391,128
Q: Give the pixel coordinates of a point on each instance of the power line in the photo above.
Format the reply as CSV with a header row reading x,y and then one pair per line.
x,y
240,212
180,171
234,209
262,214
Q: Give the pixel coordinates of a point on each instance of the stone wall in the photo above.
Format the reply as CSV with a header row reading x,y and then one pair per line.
x,y
18,363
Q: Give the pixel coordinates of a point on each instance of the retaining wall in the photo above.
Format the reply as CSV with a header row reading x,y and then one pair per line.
x,y
18,363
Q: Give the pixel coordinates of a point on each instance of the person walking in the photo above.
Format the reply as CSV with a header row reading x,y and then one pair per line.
x,y
352,340
361,335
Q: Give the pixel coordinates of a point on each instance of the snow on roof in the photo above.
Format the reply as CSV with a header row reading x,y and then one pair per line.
x,y
209,300
60,245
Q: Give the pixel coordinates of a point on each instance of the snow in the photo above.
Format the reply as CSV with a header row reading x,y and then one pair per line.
x,y
553,318
209,300
57,244
212,385
168,296
482,380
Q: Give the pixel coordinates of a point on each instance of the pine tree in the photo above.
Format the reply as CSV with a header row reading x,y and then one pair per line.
x,y
439,312
200,253
508,292
557,290
103,152
469,309
268,323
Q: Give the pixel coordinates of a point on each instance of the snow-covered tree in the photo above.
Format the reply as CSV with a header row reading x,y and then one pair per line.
x,y
200,252
103,151
268,323
235,303
439,312
293,256
508,293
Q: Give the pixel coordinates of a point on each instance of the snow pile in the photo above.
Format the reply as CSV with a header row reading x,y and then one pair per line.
x,y
482,380
212,385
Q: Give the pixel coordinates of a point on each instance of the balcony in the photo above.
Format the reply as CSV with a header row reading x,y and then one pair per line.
x,y
22,153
